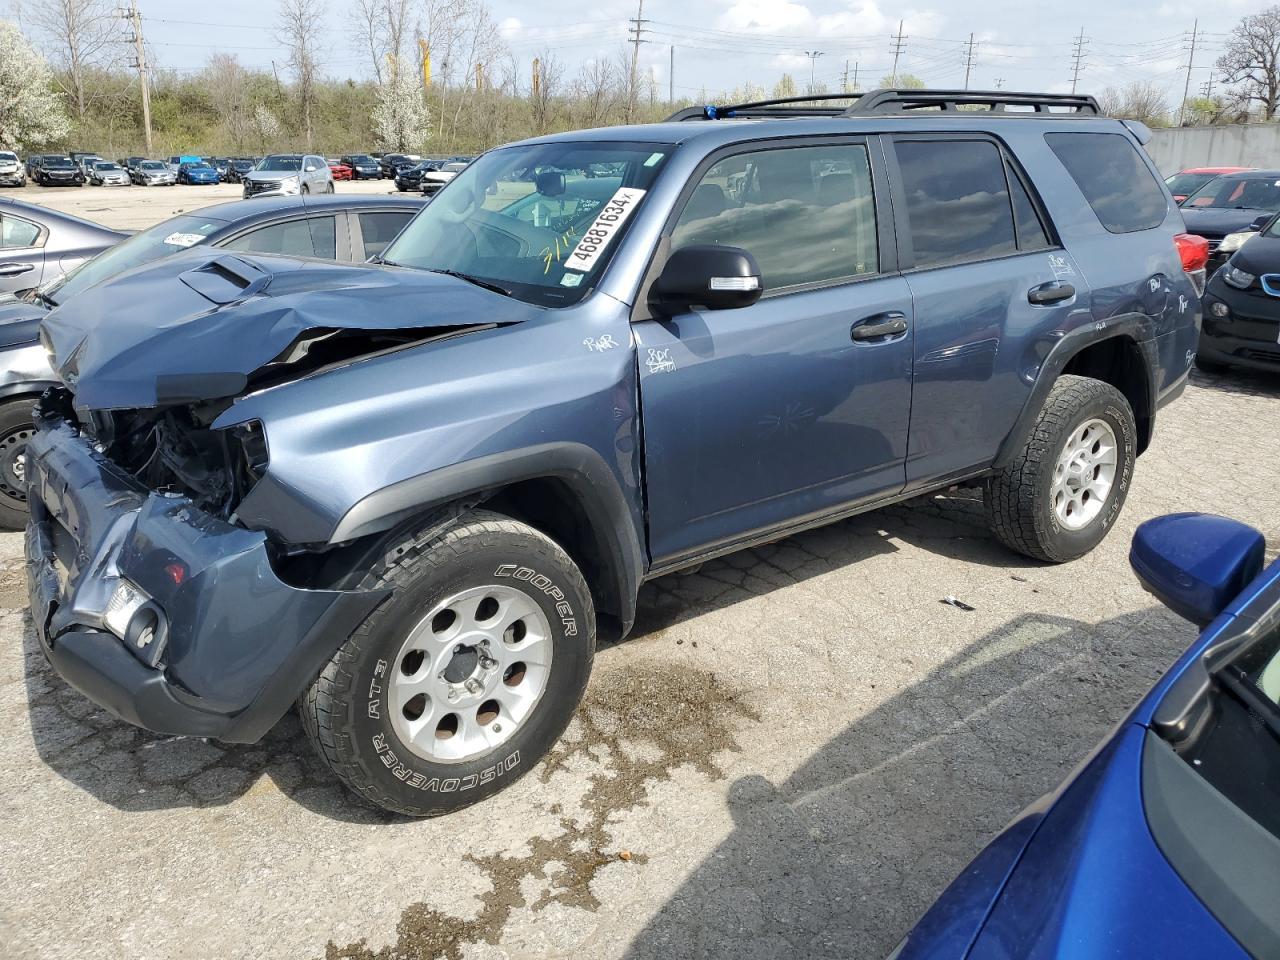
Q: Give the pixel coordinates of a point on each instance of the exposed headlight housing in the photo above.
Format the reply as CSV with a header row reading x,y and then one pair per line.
x,y
1237,277
133,617
1234,241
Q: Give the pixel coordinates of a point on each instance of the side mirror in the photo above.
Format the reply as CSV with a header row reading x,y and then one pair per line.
x,y
1261,221
708,275
1195,563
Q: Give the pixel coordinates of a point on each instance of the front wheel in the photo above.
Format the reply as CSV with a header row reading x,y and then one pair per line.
x,y
464,678
16,428
1060,495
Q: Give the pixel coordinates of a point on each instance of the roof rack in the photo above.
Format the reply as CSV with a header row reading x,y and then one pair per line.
x,y
899,101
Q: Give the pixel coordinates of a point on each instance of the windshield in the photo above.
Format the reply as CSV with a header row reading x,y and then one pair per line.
x,y
6,155
1185,184
454,167
106,166
1231,193
362,159
280,163
152,165
529,218
173,235
59,164
197,166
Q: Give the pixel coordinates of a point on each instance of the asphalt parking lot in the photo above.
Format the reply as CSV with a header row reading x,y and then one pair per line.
x,y
792,755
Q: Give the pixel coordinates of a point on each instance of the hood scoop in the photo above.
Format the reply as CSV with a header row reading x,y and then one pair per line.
x,y
226,280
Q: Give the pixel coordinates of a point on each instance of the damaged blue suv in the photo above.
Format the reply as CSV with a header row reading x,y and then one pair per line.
x,y
408,495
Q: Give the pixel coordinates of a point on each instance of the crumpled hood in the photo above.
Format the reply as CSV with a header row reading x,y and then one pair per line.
x,y
195,326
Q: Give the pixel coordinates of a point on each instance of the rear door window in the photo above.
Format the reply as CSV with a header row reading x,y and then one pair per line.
x,y
1111,174
377,229
16,233
958,205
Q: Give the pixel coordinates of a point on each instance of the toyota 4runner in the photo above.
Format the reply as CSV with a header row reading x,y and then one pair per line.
x,y
407,495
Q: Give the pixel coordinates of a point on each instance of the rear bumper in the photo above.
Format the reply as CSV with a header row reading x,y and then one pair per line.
x,y
237,644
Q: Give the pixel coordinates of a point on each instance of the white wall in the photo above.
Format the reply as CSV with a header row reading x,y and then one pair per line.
x,y
1235,145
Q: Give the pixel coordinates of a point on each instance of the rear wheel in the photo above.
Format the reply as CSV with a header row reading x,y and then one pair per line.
x,y
468,673
1060,495
16,428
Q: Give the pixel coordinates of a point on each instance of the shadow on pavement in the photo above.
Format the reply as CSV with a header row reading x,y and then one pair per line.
x,y
1254,383
841,858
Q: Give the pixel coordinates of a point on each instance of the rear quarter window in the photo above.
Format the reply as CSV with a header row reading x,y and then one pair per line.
x,y
1113,178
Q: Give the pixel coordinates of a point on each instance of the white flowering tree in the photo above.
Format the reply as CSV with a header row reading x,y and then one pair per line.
x,y
401,120
30,112
266,125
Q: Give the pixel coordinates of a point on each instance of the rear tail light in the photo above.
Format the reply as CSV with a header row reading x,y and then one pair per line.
x,y
1193,251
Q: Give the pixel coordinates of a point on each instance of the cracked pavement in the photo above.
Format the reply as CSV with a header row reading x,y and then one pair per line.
x,y
794,753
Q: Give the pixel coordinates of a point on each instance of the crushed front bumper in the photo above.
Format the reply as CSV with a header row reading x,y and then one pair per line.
x,y
238,644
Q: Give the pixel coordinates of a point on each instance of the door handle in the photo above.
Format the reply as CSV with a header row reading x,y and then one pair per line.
x,y
13,269
879,327
1052,292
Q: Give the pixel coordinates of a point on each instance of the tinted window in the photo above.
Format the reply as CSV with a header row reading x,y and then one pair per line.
x,y
1185,184
1031,232
957,200
1113,178
379,229
294,238
17,233
807,214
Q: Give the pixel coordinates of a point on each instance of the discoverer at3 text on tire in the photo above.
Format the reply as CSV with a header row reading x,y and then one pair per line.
x,y
465,676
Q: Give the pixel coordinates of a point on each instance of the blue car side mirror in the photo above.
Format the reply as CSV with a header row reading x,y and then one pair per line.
x,y
1195,563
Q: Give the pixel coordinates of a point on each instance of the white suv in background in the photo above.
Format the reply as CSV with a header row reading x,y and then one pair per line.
x,y
288,174
12,173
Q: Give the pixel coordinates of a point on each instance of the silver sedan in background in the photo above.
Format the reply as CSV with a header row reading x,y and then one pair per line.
x,y
38,245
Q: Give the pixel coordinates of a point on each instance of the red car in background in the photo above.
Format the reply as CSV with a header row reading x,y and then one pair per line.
x,y
1186,182
339,170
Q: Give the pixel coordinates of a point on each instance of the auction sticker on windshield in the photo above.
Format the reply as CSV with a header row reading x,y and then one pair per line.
x,y
183,239
596,239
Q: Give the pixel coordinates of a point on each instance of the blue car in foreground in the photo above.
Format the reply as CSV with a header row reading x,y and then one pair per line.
x,y
1165,843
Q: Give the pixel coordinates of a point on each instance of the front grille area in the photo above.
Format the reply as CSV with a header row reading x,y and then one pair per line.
x,y
261,186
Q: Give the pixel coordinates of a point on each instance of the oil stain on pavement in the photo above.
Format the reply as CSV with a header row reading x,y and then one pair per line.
x,y
671,717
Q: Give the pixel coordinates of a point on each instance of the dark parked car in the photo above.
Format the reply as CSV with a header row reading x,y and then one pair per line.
x,y
1229,204
1242,308
237,168
1166,843
410,178
39,245
33,163
390,163
58,172
435,478
363,166
347,229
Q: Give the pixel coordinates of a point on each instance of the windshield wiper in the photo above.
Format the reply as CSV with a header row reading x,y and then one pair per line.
x,y
486,284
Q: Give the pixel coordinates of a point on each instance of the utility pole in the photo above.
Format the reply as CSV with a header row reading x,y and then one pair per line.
x,y
1206,88
1186,86
999,83
671,77
535,86
855,76
844,77
134,16
968,62
897,52
1078,58
653,86
637,31
813,56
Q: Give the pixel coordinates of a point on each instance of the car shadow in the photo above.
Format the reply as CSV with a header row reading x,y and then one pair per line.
x,y
135,770
1253,383
840,858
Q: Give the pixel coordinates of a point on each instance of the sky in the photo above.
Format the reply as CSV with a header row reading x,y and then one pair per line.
x,y
723,44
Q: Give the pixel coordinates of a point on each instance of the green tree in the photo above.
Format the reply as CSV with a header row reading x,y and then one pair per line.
x,y
786,87
30,114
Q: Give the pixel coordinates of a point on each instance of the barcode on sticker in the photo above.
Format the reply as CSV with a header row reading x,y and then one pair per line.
x,y
610,220
183,239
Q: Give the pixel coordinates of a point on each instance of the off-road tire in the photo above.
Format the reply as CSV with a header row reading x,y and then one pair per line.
x,y
16,427
345,711
1018,504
